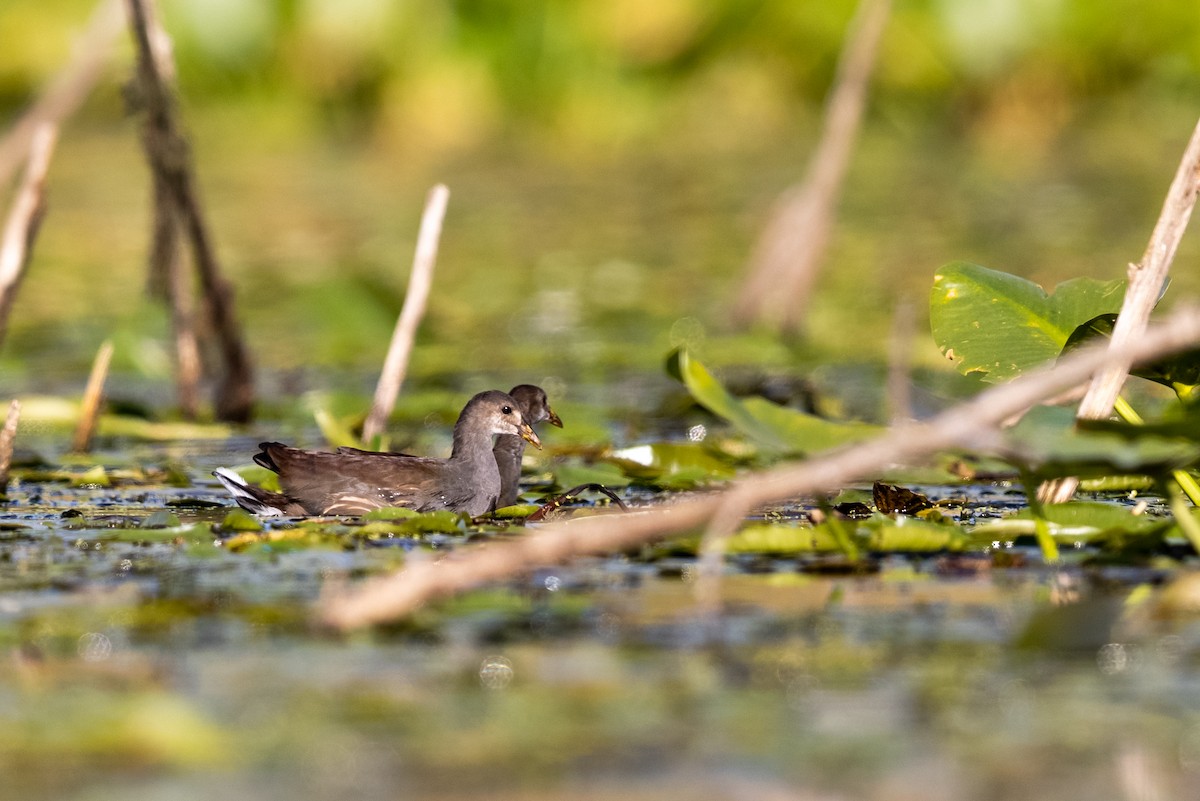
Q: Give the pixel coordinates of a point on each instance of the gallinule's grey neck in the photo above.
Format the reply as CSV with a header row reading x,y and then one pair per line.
x,y
351,482
510,449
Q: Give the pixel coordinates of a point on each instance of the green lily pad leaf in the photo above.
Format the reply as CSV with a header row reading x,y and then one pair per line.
x,y
518,511
155,431
1180,372
672,465
440,522
95,477
768,538
913,535
574,473
161,519
1084,522
1000,325
391,513
240,520
198,533
775,427
444,522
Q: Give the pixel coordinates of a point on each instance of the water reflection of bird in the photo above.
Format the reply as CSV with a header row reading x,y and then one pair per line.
x,y
350,481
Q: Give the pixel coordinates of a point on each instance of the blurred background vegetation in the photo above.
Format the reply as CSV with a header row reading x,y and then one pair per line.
x,y
610,163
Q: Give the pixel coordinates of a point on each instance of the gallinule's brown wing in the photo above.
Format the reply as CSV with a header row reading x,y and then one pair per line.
x,y
353,482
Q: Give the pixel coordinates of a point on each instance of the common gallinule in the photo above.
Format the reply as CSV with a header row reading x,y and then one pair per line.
x,y
510,449
352,482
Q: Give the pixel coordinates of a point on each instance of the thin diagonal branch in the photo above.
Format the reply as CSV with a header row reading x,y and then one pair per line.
x,y
24,220
973,424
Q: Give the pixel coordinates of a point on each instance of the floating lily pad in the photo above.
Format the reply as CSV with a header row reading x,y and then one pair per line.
x,y
773,538
1076,522
775,427
913,535
160,519
95,477
240,520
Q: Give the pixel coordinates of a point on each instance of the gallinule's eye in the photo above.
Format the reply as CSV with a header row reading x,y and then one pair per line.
x,y
506,409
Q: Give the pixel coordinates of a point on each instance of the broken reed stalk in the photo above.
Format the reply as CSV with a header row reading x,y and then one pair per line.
x,y
787,256
24,220
169,155
970,425
899,373
188,365
420,280
89,409
1146,281
68,89
8,436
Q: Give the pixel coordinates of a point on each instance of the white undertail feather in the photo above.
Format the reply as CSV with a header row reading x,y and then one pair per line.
x,y
237,487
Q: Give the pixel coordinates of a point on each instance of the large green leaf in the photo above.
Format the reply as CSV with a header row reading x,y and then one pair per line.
x,y
774,427
1000,325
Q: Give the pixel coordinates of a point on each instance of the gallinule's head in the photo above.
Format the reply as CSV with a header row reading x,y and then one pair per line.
x,y
496,412
535,407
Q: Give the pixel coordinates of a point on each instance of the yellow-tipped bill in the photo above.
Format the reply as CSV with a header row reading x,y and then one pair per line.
x,y
530,437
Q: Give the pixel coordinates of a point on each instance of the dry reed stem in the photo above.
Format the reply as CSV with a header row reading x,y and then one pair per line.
x,y
89,409
169,155
24,220
899,374
67,91
970,425
8,436
395,365
1146,281
787,255
188,365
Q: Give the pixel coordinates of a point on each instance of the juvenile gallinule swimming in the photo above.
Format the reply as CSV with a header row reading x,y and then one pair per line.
x,y
352,482
509,448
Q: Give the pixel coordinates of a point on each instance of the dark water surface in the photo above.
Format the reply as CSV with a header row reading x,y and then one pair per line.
x,y
151,663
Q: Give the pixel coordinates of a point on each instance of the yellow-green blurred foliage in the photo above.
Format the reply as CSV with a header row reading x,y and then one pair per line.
x,y
610,162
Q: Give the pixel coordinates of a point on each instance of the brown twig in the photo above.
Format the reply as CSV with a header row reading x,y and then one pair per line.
x,y
973,424
1146,281
67,91
788,253
169,156
89,409
7,436
419,282
24,220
